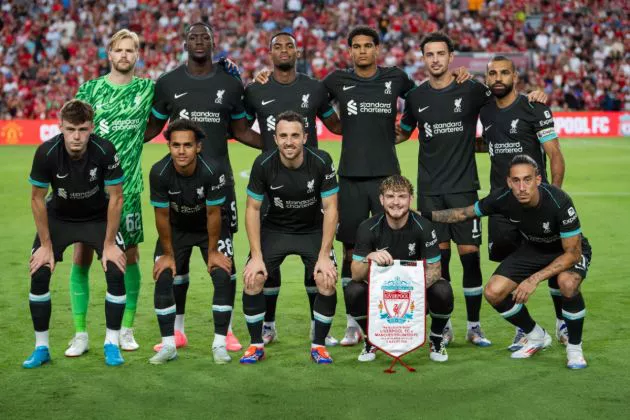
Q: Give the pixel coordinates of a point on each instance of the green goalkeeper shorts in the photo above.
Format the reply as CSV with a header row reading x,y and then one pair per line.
x,y
131,220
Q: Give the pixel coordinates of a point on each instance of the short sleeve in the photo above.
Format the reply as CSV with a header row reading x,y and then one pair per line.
x,y
544,124
329,183
329,82
238,108
324,108
40,172
492,203
159,191
256,185
162,105
430,249
568,219
215,189
113,173
364,241
407,84
408,122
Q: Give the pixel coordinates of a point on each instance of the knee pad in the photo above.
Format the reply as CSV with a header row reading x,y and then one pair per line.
x,y
440,297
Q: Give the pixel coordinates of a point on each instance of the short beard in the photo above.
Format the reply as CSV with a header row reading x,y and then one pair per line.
x,y
126,71
397,218
286,66
506,92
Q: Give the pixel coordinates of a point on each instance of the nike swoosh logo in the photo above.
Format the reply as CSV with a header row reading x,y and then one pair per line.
x,y
276,188
348,87
179,95
476,236
487,128
267,102
62,176
422,109
174,192
515,221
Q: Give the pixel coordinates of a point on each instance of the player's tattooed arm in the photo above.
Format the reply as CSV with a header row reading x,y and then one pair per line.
x,y
556,161
452,215
572,247
244,134
44,254
333,123
434,273
401,134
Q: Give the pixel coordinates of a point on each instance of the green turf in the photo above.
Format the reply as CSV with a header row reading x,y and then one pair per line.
x,y
476,383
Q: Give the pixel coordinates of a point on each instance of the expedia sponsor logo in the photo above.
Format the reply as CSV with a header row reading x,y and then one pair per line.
x,y
200,116
569,220
115,164
545,122
430,243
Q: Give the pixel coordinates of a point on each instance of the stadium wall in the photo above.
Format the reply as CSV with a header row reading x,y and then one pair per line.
x,y
568,124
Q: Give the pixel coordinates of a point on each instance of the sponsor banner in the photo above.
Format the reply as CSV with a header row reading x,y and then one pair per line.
x,y
396,307
567,124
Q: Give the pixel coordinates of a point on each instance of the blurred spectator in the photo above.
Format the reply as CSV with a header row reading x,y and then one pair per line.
x,y
578,48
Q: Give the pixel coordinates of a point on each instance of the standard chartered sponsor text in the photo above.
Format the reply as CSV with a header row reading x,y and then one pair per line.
x,y
205,116
375,107
507,148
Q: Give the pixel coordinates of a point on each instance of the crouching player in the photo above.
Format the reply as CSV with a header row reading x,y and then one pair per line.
x,y
399,234
553,246
187,192
300,182
84,173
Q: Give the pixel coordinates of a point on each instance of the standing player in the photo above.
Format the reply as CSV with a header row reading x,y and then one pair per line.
x,y
553,246
512,125
121,104
287,89
85,174
187,192
206,94
400,234
446,114
302,188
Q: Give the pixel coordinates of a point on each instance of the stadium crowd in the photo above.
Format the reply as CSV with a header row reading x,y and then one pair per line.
x,y
577,49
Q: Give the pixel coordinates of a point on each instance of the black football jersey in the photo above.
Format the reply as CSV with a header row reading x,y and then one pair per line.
x,y
520,128
447,124
295,195
415,241
305,95
212,101
78,186
187,196
545,225
367,109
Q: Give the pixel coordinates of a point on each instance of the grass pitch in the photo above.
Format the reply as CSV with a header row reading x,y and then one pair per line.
x,y
474,383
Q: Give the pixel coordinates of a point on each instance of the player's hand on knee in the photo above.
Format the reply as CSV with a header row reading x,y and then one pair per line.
x,y
164,262
461,75
42,256
537,96
254,267
381,257
524,291
262,76
217,260
326,267
112,253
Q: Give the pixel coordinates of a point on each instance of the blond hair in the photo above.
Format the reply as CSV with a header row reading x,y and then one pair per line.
x,y
124,34
396,183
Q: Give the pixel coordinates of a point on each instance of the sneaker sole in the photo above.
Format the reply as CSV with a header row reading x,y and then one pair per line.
x,y
480,344
160,362
129,348
76,355
577,367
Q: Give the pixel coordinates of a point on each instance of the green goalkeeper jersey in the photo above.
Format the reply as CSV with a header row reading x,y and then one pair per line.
x,y
120,115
